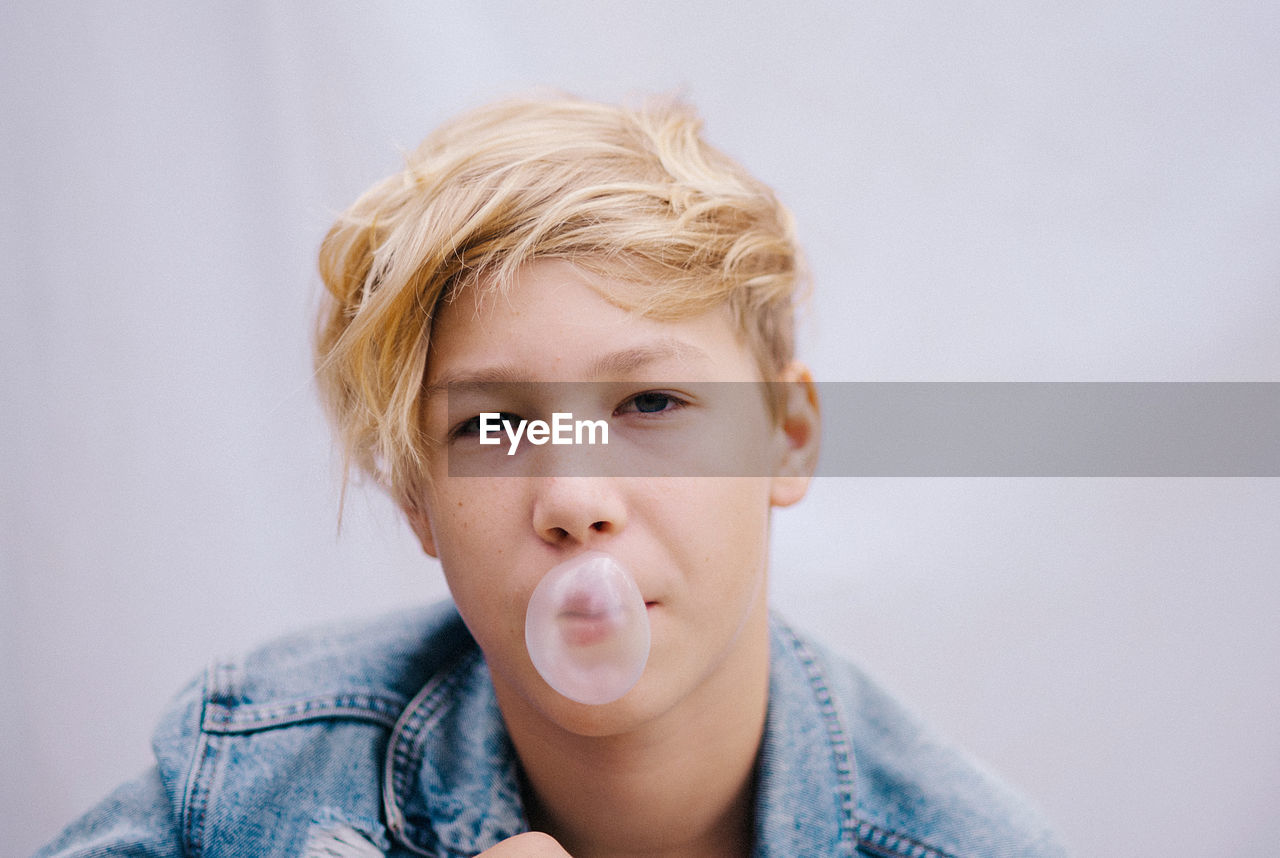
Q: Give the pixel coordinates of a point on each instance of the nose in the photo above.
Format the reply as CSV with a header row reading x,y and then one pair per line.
x,y
577,509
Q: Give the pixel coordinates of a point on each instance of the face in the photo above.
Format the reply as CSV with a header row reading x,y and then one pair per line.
x,y
696,545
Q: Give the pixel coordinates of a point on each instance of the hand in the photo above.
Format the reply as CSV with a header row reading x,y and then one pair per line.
x,y
533,844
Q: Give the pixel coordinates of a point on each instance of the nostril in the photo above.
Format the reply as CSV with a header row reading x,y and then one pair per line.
x,y
599,526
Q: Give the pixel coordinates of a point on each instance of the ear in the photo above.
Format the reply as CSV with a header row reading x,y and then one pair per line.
x,y
420,520
799,431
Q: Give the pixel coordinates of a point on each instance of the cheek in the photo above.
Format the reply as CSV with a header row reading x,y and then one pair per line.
x,y
492,608
725,531
473,518
476,549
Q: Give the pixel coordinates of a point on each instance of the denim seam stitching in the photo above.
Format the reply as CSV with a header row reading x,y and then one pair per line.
x,y
219,682
881,839
223,718
840,747
193,799
854,831
404,750
413,747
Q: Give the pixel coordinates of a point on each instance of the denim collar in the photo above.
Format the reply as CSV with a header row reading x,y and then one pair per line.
x,y
451,787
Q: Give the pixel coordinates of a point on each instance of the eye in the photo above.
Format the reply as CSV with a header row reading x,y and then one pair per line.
x,y
651,402
470,428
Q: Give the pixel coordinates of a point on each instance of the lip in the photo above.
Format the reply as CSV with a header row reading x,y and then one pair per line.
x,y
580,633
583,624
590,604
586,616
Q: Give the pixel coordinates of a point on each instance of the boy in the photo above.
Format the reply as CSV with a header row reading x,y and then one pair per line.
x,y
532,257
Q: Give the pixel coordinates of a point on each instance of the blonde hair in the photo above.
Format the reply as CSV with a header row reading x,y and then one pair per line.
x,y
634,194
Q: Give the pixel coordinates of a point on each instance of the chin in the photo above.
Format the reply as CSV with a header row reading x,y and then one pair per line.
x,y
648,701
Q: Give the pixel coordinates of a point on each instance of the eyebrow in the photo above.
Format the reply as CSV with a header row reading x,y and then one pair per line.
x,y
620,363
629,360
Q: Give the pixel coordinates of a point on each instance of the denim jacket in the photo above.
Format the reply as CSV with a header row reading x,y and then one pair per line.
x,y
386,739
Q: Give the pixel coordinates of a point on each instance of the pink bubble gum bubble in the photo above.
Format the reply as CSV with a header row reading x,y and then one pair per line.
x,y
587,629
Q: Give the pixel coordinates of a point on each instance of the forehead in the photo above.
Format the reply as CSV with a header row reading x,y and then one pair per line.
x,y
554,323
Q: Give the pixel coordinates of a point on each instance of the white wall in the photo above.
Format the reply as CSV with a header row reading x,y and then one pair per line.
x,y
990,192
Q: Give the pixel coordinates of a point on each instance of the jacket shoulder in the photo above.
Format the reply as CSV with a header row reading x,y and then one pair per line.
x,y
919,794
219,746
366,670
323,701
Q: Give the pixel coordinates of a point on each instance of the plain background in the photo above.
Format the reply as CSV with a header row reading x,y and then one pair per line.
x,y
987,191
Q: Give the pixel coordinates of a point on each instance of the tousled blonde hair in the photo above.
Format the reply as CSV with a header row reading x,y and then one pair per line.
x,y
634,194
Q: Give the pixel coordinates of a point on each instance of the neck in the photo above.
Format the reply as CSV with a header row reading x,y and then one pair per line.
x,y
679,784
